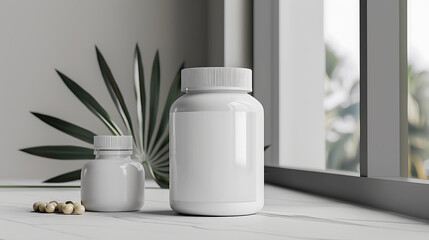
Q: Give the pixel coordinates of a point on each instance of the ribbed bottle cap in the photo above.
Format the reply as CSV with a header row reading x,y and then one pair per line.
x,y
113,142
217,78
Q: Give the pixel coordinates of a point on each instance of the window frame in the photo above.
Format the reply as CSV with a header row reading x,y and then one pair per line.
x,y
382,181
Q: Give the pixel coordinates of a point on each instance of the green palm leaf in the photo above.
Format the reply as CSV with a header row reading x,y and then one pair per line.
x,y
91,104
161,164
158,154
161,178
161,159
114,91
160,146
173,94
66,177
67,128
154,98
61,152
140,91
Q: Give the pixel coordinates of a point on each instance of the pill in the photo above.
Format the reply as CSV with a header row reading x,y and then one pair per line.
x,y
42,207
79,209
75,204
68,209
59,207
36,206
54,202
50,208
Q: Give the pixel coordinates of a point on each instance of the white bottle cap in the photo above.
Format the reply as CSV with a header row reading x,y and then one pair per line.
x,y
113,142
217,78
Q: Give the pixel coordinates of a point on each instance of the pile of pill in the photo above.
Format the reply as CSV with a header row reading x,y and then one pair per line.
x,y
67,208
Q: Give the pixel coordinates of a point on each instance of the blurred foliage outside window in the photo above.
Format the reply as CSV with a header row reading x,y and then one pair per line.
x,y
342,120
418,88
418,126
341,117
341,103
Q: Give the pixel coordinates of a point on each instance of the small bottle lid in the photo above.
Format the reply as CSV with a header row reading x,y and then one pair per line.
x,y
217,78
113,142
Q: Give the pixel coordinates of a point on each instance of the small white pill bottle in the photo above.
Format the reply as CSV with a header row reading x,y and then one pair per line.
x,y
113,181
216,144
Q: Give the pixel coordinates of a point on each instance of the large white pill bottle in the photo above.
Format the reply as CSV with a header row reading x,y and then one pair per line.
x,y
216,144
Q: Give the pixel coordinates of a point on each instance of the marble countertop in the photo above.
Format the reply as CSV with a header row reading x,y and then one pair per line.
x,y
287,214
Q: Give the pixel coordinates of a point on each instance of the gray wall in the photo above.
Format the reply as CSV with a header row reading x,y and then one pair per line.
x,y
39,36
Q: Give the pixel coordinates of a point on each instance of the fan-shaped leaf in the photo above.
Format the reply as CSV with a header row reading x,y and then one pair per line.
x,y
173,94
61,152
160,146
140,91
66,177
91,104
160,179
159,154
115,92
66,127
154,97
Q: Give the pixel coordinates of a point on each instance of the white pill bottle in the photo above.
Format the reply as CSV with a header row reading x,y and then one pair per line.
x,y
216,144
113,181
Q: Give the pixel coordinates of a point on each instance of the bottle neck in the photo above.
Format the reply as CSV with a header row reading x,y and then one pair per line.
x,y
112,154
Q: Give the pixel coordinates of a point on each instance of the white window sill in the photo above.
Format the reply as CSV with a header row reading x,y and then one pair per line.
x,y
287,214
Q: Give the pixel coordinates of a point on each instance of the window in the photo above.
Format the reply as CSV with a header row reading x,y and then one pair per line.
x,y
318,84
418,88
341,101
289,55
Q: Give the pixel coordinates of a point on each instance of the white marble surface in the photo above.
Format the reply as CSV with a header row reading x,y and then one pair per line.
x,y
287,214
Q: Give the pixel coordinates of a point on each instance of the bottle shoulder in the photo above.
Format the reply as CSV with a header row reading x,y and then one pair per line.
x,y
112,162
231,102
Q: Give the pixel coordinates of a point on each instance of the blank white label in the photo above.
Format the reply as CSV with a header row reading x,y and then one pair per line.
x,y
213,156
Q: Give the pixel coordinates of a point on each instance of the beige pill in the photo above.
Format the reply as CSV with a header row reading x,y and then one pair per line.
x,y
54,203
50,208
36,206
42,207
79,209
59,207
76,204
68,209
